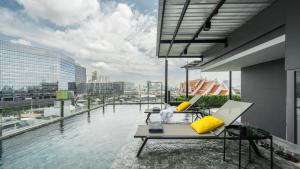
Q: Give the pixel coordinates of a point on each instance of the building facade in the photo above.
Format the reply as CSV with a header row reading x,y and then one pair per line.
x,y
94,76
109,88
80,74
24,67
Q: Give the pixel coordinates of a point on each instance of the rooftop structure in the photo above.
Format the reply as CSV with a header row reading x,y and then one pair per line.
x,y
258,38
203,87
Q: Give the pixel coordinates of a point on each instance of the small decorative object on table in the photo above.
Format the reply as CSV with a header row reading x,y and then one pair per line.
x,y
156,127
250,133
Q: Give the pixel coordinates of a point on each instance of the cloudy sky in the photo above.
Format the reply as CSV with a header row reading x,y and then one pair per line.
x,y
115,37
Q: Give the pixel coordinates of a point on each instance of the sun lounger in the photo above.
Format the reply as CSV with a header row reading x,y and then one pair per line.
x,y
192,102
229,113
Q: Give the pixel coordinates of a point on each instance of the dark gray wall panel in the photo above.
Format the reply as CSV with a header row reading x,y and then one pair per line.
x,y
293,35
265,85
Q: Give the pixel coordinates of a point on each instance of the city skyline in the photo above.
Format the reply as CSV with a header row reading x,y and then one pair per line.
x,y
108,52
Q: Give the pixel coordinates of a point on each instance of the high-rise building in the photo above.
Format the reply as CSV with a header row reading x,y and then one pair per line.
x,y
24,66
94,76
103,79
80,74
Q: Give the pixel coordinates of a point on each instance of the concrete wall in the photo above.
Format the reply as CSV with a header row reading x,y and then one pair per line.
x,y
265,85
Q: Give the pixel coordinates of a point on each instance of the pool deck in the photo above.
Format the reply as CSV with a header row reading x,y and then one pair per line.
x,y
190,154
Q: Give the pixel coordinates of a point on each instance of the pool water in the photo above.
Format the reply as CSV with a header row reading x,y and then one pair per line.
x,y
79,142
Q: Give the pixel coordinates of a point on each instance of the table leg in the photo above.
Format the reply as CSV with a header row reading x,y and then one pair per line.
x,y
224,146
254,147
271,142
141,148
249,152
240,152
148,116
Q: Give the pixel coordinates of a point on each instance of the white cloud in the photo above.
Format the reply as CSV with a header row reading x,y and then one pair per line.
x,y
102,66
21,41
119,42
61,12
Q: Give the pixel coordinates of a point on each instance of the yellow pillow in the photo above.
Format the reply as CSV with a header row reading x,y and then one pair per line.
x,y
183,106
206,124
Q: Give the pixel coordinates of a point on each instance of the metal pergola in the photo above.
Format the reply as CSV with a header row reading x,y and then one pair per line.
x,y
188,28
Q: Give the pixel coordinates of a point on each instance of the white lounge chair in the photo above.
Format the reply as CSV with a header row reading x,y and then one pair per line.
x,y
229,113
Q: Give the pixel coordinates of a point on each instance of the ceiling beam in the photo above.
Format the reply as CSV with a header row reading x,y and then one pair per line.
x,y
161,25
184,56
214,12
186,4
222,40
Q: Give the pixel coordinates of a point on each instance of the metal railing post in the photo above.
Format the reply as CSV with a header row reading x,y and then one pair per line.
x,y
161,95
114,103
89,103
166,80
187,84
103,102
148,88
1,110
230,85
62,108
140,100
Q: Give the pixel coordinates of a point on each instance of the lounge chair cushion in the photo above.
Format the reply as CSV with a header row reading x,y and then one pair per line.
x,y
206,124
183,106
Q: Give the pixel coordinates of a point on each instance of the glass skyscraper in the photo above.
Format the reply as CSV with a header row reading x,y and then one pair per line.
x,y
80,74
25,66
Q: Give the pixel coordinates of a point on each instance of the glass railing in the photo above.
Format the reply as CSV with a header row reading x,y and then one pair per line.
x,y
16,118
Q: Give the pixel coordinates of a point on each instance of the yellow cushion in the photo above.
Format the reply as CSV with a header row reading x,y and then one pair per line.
x,y
183,106
206,124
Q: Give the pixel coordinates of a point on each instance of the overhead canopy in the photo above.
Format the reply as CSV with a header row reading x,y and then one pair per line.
x,y
187,28
192,64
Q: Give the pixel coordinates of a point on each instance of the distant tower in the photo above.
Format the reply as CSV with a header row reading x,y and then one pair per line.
x,y
94,76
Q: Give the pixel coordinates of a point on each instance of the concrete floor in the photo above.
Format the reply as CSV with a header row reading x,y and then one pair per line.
x,y
191,154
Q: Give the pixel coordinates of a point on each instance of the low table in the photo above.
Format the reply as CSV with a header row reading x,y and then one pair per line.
x,y
194,111
240,132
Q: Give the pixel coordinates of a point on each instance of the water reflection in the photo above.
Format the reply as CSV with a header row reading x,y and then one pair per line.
x,y
63,144
103,110
61,126
1,148
88,117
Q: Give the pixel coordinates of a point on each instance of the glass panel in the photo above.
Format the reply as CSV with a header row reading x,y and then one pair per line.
x,y
298,105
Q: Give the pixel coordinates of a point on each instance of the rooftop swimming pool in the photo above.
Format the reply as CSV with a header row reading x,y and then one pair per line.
x,y
104,139
80,142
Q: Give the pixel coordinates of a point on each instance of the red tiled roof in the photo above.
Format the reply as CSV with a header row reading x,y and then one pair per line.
x,y
206,85
214,89
202,87
223,92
